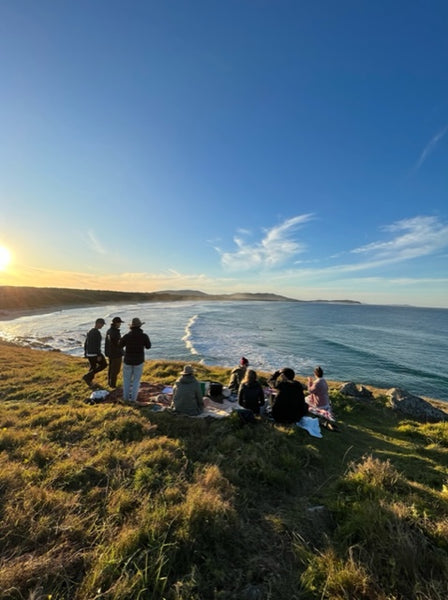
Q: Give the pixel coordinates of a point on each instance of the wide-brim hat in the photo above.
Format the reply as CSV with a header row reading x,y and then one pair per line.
x,y
188,370
136,322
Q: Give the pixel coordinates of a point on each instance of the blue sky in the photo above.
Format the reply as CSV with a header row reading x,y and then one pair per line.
x,y
243,145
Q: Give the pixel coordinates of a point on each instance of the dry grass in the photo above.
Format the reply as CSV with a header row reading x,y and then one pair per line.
x,y
115,503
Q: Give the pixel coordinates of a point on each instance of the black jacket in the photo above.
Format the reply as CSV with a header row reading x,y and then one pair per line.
x,y
135,342
111,346
289,404
92,344
251,396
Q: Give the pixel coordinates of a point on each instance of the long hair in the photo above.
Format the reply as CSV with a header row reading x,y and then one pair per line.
x,y
250,376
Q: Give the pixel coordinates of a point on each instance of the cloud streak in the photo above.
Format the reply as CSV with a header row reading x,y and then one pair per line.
x,y
95,244
411,239
418,236
431,146
275,248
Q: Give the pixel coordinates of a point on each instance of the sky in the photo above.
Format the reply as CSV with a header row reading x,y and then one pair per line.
x,y
285,146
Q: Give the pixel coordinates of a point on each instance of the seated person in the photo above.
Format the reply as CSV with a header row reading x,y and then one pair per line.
x,y
237,375
318,397
251,394
318,400
288,404
187,393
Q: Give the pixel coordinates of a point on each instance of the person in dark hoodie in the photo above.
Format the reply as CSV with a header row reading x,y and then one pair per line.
x,y
289,404
250,394
134,342
187,393
113,351
92,351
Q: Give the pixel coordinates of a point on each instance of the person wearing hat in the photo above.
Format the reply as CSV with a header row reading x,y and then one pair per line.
x,y
113,351
92,351
187,393
289,404
237,375
134,342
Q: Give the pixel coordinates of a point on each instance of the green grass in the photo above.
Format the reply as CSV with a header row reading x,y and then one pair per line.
x,y
117,503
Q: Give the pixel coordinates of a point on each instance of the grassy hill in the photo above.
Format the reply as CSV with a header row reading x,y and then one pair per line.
x,y
118,503
34,298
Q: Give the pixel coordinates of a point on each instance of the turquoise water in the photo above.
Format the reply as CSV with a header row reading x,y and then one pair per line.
x,y
385,346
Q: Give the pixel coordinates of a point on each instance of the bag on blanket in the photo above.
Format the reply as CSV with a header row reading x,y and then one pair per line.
x,y
215,392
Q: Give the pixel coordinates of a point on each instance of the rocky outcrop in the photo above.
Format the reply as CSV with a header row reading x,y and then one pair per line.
x,y
356,391
414,407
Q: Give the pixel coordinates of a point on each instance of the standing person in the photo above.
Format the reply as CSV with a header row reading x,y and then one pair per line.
x,y
113,351
289,402
250,394
237,375
318,397
134,342
187,393
92,351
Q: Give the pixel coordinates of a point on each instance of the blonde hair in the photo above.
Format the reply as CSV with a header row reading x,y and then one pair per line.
x,y
250,376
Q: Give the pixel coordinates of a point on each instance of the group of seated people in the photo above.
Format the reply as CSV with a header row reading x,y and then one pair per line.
x,y
287,403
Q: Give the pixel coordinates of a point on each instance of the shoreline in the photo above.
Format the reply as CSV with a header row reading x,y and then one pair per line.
x,y
9,314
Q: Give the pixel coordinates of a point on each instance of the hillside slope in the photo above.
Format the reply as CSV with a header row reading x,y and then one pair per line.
x,y
118,503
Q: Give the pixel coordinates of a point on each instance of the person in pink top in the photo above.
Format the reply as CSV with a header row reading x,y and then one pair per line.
x,y
318,388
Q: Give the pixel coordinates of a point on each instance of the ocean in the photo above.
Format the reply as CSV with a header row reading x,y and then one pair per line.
x,y
383,346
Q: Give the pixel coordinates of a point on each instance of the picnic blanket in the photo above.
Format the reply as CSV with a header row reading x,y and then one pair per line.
x,y
324,413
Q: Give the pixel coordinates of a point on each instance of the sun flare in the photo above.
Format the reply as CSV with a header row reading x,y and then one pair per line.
x,y
5,257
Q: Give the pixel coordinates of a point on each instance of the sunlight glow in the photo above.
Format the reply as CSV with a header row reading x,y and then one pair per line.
x,y
5,257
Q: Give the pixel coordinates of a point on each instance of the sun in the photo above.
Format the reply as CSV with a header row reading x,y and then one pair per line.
x,y
5,257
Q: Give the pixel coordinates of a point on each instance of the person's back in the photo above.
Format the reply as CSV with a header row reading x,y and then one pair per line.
x,y
250,393
289,404
187,394
135,342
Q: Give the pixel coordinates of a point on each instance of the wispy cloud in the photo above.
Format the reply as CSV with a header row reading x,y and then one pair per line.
x,y
430,146
407,239
418,236
95,244
276,247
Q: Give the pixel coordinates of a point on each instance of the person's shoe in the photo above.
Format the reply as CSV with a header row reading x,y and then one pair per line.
x,y
88,379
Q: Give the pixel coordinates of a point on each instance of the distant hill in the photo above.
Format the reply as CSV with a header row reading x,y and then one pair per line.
x,y
31,298
34,298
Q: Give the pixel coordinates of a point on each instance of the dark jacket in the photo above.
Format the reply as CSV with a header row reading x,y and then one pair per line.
x,y
251,395
236,377
111,346
135,342
289,404
92,345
